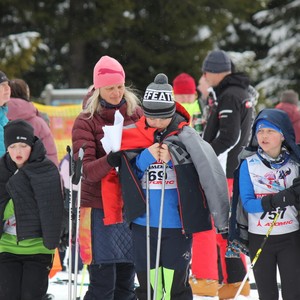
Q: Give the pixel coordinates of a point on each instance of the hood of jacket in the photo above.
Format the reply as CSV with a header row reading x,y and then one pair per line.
x,y
20,109
280,119
139,135
38,151
180,119
233,79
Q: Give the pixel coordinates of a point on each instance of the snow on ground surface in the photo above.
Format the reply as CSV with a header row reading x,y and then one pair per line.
x,y
59,288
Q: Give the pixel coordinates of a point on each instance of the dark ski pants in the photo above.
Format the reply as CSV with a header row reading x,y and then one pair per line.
x,y
231,270
175,256
282,251
24,277
113,281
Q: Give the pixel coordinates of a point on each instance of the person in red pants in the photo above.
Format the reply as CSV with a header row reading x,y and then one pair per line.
x,y
204,267
204,278
227,129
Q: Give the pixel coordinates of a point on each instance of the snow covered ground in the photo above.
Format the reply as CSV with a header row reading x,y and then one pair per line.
x,y
59,288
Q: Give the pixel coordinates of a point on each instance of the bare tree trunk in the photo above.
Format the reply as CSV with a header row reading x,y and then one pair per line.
x,y
77,70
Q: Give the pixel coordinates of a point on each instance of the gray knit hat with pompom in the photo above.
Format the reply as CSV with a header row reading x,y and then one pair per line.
x,y
158,100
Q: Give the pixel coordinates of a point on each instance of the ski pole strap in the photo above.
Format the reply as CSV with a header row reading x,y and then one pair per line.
x,y
71,161
78,167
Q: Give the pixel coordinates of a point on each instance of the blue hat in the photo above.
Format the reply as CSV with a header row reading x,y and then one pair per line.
x,y
266,124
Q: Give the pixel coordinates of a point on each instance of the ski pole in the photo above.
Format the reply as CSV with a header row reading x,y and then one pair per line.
x,y
82,280
71,173
148,236
257,255
159,230
77,180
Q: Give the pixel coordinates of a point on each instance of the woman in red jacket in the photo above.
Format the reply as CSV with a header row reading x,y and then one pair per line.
x,y
105,242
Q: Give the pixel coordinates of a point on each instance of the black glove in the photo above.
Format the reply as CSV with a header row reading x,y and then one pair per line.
x,y
64,233
114,158
289,196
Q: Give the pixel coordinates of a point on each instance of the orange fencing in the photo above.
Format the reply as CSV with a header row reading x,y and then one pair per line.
x,y
61,122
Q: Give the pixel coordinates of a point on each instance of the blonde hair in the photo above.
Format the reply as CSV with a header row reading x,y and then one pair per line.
x,y
93,104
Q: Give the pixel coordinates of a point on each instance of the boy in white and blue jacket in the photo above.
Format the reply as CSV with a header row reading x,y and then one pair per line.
x,y
269,184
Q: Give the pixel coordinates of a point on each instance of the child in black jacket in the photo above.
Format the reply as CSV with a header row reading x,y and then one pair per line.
x,y
31,208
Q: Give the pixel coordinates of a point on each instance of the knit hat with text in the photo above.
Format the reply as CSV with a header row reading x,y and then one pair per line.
x,y
158,100
184,84
18,131
108,71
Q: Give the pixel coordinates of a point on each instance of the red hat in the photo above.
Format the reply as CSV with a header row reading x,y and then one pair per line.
x,y
184,84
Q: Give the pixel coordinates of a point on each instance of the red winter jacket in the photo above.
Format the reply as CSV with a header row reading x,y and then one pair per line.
x,y
294,114
22,109
139,136
87,133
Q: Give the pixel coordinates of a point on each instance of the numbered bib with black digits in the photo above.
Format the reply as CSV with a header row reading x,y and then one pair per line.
x,y
156,177
268,181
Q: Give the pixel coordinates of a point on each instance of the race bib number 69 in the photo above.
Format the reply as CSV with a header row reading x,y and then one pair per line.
x,y
156,177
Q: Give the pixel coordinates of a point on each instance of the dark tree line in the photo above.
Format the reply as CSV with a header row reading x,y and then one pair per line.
x,y
147,37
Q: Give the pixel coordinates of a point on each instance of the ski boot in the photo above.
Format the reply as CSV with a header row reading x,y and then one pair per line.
x,y
229,290
204,287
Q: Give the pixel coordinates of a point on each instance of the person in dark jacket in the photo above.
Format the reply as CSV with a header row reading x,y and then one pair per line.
x,y
31,209
195,189
289,101
105,240
228,130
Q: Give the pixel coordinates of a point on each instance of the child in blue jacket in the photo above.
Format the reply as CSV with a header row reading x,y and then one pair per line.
x,y
269,185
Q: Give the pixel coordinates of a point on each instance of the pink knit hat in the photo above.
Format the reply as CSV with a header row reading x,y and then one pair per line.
x,y
108,71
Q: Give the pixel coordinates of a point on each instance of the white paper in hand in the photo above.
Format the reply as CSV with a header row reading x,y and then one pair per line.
x,y
113,134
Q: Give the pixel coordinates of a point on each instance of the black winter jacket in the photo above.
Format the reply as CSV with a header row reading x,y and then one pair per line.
x,y
36,192
229,123
201,182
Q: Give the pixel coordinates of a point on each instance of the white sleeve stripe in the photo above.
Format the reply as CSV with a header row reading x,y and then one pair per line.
x,y
226,111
